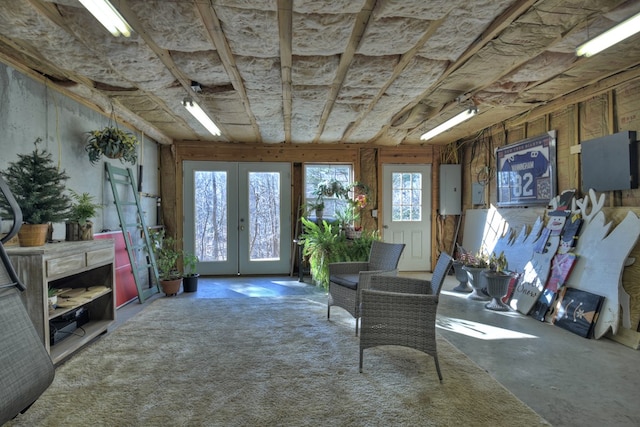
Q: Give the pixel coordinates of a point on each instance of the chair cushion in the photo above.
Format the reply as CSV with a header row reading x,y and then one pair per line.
x,y
347,280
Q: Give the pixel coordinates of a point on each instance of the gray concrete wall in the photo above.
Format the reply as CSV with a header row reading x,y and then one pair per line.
x,y
29,110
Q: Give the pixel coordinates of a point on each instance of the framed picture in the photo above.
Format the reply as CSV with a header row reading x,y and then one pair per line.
x,y
527,171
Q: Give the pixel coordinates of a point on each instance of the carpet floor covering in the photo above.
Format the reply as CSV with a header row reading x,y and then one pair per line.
x,y
264,362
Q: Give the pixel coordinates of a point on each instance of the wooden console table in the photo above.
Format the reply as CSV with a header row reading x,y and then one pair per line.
x,y
76,265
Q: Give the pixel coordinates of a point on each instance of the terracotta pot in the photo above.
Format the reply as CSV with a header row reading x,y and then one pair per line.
x,y
33,234
171,287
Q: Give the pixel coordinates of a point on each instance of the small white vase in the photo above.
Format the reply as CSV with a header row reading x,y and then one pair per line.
x,y
53,303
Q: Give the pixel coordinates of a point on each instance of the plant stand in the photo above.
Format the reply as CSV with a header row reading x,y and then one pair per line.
x,y
461,277
475,279
497,287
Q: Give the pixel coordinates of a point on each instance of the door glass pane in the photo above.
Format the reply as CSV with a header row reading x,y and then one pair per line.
x,y
264,216
406,196
211,216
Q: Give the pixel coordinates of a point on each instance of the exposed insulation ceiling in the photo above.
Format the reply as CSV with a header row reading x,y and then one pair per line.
x,y
308,71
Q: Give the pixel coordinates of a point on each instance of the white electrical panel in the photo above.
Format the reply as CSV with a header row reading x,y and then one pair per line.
x,y
450,189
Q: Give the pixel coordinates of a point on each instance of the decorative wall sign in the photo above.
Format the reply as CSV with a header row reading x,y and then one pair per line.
x,y
542,306
561,267
534,278
602,254
577,311
527,171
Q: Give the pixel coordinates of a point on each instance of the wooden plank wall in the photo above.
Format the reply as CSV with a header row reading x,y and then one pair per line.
x,y
597,113
595,116
367,161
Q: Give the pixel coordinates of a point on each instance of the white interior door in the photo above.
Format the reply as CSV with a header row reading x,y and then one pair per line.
x,y
406,215
237,216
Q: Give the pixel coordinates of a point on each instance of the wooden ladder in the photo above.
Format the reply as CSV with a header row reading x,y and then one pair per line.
x,y
134,229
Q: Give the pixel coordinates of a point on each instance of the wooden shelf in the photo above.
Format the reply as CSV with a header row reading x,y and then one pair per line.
x,y
69,345
75,265
64,310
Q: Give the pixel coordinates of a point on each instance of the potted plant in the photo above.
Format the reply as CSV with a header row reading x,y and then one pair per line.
x,y
323,244
498,279
167,256
347,217
328,188
38,187
52,296
461,274
474,265
79,226
332,188
316,207
113,143
190,277
319,243
356,205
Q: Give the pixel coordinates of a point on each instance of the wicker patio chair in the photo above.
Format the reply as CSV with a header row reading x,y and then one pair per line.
x,y
347,279
402,311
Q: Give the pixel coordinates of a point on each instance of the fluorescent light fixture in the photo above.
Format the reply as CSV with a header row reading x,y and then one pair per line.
x,y
623,30
465,115
108,16
202,117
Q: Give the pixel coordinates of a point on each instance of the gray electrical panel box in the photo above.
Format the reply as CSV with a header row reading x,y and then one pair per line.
x,y
477,194
610,163
450,189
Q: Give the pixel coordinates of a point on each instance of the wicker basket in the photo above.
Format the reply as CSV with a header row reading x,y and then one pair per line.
x,y
33,234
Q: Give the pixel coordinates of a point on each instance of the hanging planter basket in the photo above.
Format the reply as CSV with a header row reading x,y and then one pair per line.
x,y
112,143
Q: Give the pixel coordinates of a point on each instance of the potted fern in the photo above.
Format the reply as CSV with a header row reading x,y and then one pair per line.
x,y
319,242
38,187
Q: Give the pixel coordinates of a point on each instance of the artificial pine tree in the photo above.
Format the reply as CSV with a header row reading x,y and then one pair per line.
x,y
38,187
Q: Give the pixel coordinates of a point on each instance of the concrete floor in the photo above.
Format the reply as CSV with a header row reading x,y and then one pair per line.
x,y
569,380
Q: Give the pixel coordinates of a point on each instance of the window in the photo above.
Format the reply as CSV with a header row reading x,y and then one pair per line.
x,y
406,201
314,174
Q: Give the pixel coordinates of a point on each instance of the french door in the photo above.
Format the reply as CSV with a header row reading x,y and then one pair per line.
x,y
237,216
407,213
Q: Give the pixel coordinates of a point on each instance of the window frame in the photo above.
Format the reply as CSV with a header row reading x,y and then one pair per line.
x,y
332,204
